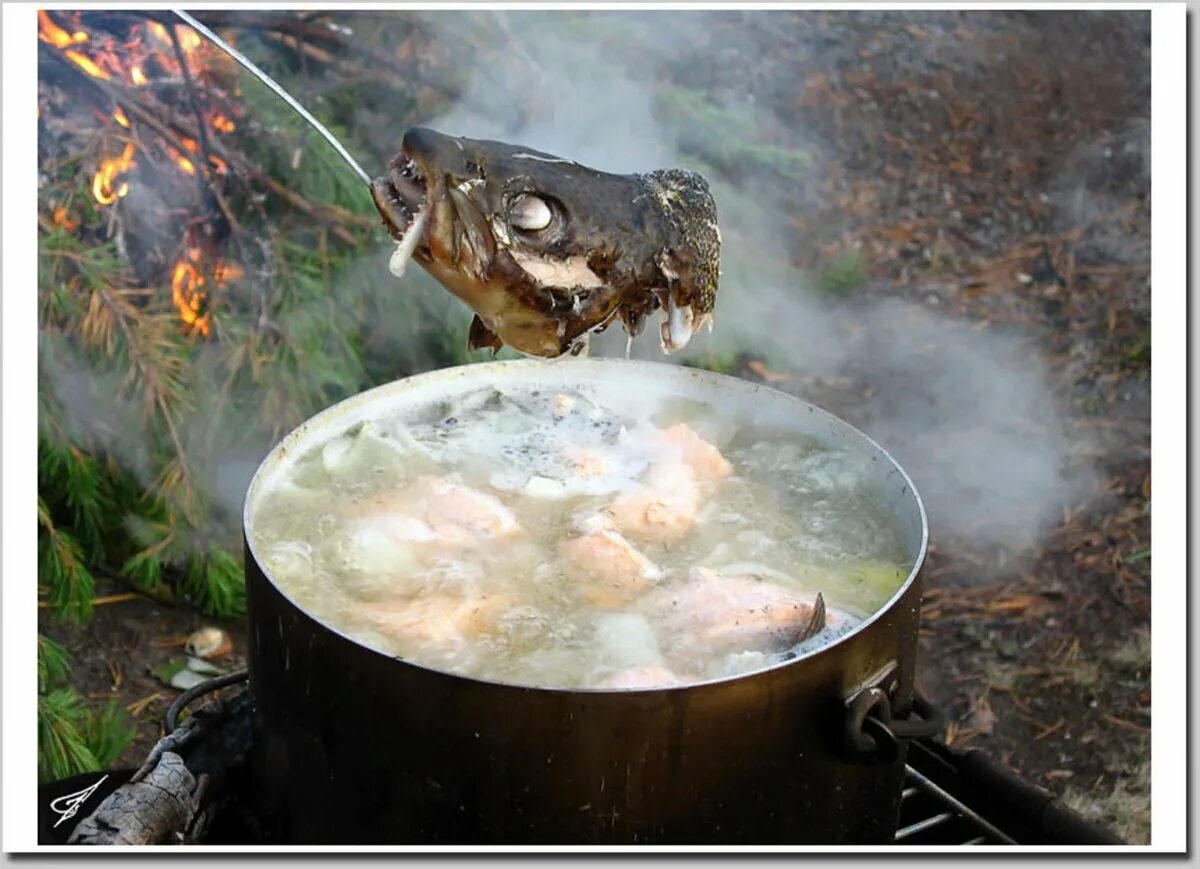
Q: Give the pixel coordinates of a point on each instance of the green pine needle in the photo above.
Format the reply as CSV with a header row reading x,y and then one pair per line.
x,y
62,748
53,664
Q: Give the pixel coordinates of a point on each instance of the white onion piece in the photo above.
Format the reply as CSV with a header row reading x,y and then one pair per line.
x,y
627,640
544,488
336,453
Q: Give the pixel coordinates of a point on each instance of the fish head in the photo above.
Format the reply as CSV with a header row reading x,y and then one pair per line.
x,y
545,250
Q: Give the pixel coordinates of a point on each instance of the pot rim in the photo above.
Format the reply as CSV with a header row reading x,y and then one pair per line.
x,y
319,420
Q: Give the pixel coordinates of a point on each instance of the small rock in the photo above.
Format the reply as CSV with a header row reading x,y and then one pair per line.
x,y
185,679
204,668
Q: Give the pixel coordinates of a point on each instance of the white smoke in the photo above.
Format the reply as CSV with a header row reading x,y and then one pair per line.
x,y
969,413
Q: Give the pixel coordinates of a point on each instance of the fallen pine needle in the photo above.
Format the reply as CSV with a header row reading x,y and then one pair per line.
x,y
1051,729
168,642
1121,722
139,706
102,600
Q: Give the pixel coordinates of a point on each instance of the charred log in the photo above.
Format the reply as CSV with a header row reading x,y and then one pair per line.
x,y
191,787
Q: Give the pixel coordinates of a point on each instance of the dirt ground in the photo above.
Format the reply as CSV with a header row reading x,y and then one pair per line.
x,y
954,136
958,135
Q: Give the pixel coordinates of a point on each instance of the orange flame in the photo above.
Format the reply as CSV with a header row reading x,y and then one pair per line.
x,y
187,295
137,76
87,65
119,117
50,32
102,183
220,165
62,217
182,162
187,291
223,124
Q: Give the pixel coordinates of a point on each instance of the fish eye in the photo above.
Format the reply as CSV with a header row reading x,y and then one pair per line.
x,y
530,213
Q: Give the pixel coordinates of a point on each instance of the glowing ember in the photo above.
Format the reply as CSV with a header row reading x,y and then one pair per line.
x,y
220,165
102,183
189,40
137,76
223,124
225,273
119,117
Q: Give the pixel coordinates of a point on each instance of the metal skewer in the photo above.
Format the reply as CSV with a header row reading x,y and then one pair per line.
x,y
277,88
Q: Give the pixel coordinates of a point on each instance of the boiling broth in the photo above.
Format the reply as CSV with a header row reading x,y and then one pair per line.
x,y
587,537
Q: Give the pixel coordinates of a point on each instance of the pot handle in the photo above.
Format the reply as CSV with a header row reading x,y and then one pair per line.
x,y
871,734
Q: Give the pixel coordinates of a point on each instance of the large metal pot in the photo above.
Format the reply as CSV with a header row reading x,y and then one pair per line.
x,y
355,746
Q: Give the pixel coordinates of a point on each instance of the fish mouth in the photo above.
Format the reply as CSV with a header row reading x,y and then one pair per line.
x,y
401,195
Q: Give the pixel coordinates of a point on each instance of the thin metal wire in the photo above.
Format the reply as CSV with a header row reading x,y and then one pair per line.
x,y
275,86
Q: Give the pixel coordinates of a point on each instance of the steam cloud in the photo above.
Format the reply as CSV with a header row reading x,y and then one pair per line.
x,y
968,413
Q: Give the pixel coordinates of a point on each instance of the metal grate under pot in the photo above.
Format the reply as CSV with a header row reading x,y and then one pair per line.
x,y
968,798
950,798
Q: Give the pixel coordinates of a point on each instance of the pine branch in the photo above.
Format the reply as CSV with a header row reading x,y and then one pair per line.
x,y
161,376
53,664
60,556
62,748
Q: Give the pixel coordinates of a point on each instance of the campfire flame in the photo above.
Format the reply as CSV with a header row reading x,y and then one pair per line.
x,y
187,282
147,53
50,32
188,297
102,183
